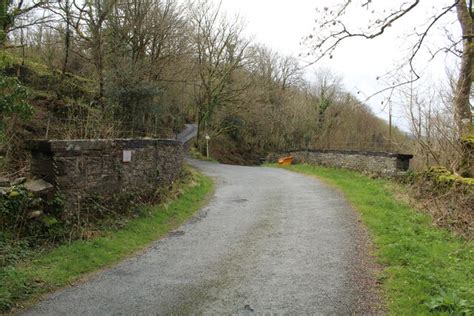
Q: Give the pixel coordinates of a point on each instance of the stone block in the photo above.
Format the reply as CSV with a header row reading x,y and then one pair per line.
x,y
39,187
18,181
4,182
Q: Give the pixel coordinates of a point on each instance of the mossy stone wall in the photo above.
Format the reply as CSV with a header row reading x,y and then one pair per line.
x,y
382,163
93,171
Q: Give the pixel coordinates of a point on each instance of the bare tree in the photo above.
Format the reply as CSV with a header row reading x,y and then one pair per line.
x,y
219,52
88,19
273,67
16,14
462,106
66,12
432,124
332,28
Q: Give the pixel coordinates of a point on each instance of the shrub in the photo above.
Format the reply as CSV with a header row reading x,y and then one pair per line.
x,y
13,98
24,216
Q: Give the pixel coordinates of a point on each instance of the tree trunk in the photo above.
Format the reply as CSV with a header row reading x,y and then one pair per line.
x,y
100,68
462,106
67,36
67,44
5,22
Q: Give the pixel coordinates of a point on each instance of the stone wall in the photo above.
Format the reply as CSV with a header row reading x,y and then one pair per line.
x,y
386,164
81,169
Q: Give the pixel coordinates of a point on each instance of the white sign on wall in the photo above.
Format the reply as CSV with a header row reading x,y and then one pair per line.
x,y
127,156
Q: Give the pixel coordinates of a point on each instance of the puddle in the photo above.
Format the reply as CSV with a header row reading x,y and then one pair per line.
x,y
176,233
239,200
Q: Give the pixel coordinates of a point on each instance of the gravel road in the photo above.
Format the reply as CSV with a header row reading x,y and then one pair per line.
x,y
269,241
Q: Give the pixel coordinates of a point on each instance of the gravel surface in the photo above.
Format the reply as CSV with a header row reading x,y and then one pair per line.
x,y
270,240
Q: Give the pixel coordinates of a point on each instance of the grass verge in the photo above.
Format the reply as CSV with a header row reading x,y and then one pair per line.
x,y
26,282
194,153
426,269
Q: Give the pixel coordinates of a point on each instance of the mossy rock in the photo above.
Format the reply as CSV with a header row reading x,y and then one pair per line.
x,y
443,176
438,171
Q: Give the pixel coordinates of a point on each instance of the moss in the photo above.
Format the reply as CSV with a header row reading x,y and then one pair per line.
x,y
14,194
469,138
38,76
468,141
6,60
469,181
443,176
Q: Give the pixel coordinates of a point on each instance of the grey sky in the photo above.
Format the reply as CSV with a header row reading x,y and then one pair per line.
x,y
281,24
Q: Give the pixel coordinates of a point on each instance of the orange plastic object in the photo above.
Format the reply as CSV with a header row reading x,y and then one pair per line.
x,y
286,161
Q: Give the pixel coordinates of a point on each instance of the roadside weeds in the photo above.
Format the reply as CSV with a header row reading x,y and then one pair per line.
x,y
25,283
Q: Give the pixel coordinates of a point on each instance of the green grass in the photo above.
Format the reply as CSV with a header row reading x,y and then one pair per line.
x,y
25,283
194,153
426,269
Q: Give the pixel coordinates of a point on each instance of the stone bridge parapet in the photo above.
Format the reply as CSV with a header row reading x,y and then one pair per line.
x,y
382,163
81,169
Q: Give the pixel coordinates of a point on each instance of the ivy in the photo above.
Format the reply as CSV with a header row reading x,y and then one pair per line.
x,y
13,99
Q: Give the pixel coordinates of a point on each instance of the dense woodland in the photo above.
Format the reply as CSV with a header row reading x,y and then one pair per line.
x,y
134,68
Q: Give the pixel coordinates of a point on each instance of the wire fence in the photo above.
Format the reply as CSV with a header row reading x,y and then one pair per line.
x,y
103,128
100,126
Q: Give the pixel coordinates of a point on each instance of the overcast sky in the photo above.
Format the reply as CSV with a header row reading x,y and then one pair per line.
x,y
281,24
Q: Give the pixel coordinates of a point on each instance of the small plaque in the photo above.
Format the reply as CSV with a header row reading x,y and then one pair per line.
x,y
127,156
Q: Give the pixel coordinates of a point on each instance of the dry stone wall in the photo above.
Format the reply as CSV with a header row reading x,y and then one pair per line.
x,y
383,163
82,169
